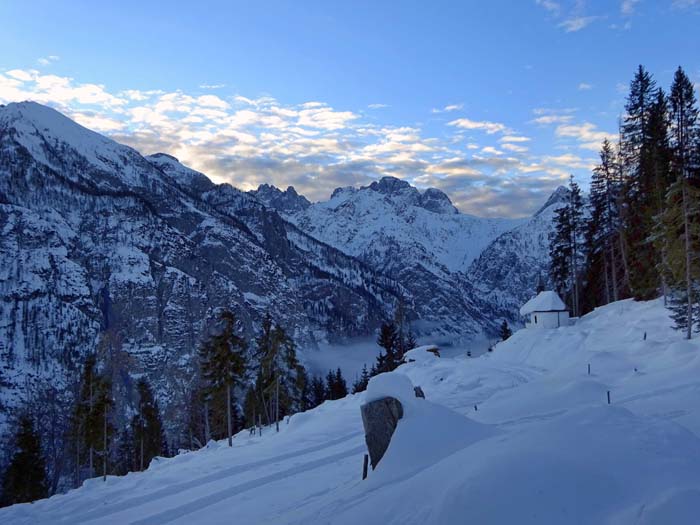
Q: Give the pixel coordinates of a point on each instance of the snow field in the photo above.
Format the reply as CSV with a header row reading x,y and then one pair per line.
x,y
541,447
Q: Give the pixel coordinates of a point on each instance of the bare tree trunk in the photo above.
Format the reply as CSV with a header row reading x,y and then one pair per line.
x,y
614,271
141,442
688,287
104,445
207,429
228,414
277,403
91,447
607,280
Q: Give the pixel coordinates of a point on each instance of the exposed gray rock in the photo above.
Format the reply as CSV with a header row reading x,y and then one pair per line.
x,y
380,418
419,392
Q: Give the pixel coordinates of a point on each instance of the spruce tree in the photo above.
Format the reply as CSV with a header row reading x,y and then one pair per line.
x,y
147,426
566,247
318,391
681,218
24,479
91,427
341,387
604,228
361,384
640,142
223,363
388,339
505,331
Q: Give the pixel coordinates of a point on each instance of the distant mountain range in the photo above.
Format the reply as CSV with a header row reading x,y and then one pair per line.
x,y
98,240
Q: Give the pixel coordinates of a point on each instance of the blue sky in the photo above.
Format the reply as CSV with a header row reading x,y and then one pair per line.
x,y
494,102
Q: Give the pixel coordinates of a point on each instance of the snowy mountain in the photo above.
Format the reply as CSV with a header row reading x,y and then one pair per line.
x,y
543,446
102,247
506,272
100,243
464,274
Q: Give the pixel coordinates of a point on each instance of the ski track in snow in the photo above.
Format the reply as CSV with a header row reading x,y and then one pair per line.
x,y
221,475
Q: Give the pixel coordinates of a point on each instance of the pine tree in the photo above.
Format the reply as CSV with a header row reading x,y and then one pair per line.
x,y
223,363
361,384
147,426
602,235
388,339
566,247
25,478
640,158
91,428
318,391
341,387
505,331
680,221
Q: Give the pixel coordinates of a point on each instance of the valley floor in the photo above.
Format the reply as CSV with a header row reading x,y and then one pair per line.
x,y
542,446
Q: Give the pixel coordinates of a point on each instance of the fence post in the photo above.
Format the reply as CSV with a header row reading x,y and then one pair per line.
x,y
364,466
589,369
608,397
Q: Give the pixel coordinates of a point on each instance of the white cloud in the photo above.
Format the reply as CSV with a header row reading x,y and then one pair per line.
x,y
490,150
550,5
585,86
552,119
586,134
212,86
378,106
514,138
449,108
514,148
484,125
45,61
627,7
311,145
576,23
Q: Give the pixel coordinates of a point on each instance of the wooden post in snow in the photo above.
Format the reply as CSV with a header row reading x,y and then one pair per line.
x,y
364,466
608,397
277,404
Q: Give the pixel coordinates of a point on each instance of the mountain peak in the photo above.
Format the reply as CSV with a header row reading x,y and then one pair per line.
x,y
390,185
437,201
557,197
287,201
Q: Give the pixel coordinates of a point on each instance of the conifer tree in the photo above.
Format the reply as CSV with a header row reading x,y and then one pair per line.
x,y
388,340
639,161
681,218
361,384
223,363
505,331
341,387
566,247
147,426
318,391
24,479
91,427
603,228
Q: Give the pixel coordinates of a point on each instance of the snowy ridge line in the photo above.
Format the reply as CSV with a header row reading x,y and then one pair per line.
x,y
176,488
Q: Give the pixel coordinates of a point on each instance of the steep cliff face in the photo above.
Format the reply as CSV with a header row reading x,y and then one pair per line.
x,y
97,239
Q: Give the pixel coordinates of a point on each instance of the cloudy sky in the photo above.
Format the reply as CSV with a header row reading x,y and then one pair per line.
x,y
495,102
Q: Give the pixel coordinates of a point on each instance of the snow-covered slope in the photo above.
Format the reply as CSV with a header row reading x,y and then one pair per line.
x,y
542,446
